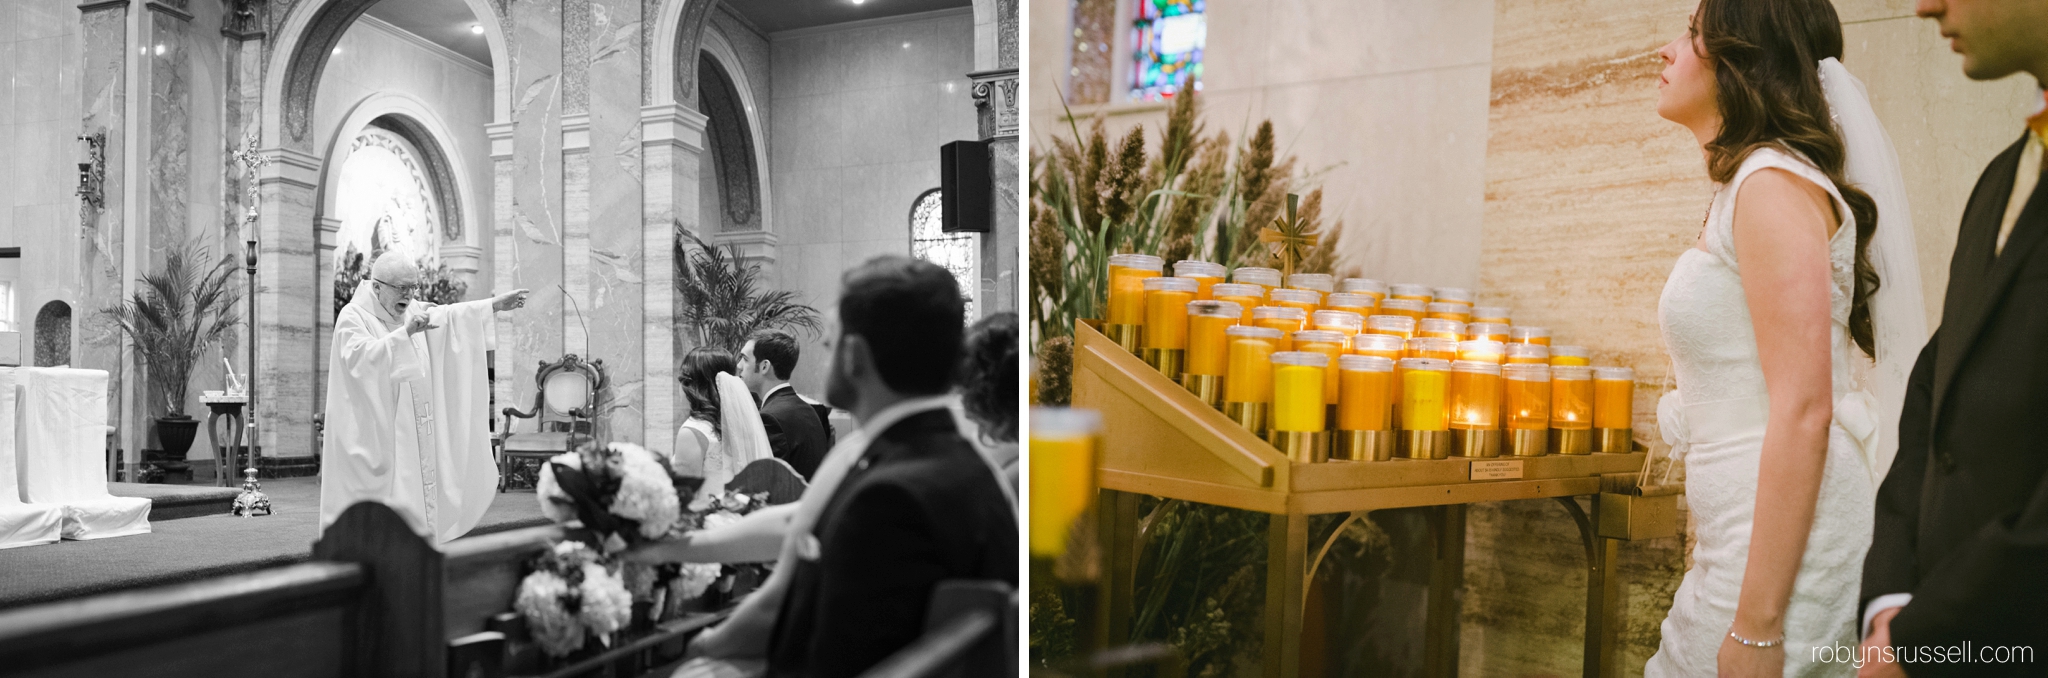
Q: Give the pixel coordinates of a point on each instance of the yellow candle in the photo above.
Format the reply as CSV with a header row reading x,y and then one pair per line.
x,y
1491,314
1571,398
1287,320
1337,321
1249,378
1345,301
1365,286
1455,295
1127,273
1364,385
1570,355
1208,353
1530,354
1524,334
1458,313
1309,301
1298,391
1614,395
1407,308
1440,328
1423,384
1433,348
1331,346
1266,278
1486,332
1166,311
1482,351
1205,275
1321,283
1411,292
1063,485
1475,396
1395,325
1247,297
1392,348
1527,401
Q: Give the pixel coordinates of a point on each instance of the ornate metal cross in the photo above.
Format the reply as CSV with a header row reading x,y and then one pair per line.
x,y
250,161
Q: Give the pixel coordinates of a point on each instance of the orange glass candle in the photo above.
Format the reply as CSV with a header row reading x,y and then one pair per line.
x,y
1345,301
1266,278
1614,397
1486,332
1395,325
1525,334
1458,313
1433,348
1337,321
1483,351
1474,395
1208,350
1364,384
1298,378
1366,286
1322,283
1287,320
1424,386
1570,355
1411,292
1166,311
1571,398
1390,347
1455,295
1331,344
1204,273
1526,405
1063,476
1403,307
1248,377
1246,297
1440,328
1127,274
1309,301
1529,354
1491,314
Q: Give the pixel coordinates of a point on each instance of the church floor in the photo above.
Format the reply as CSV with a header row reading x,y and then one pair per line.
x,y
186,549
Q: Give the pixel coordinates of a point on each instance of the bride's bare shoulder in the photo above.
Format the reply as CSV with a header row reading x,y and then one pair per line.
x,y
1774,198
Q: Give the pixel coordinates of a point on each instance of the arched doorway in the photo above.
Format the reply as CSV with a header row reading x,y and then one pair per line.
x,y
53,335
391,193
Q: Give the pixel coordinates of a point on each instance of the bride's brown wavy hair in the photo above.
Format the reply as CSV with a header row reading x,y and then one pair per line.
x,y
1766,56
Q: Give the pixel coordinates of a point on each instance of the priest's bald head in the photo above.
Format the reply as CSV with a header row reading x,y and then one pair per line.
x,y
395,277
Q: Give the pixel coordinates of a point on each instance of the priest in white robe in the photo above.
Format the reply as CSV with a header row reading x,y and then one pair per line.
x,y
408,404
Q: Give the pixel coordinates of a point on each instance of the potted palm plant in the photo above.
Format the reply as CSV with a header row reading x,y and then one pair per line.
x,y
723,300
176,314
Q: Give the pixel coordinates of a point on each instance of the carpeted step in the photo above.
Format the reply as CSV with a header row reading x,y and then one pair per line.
x,y
171,502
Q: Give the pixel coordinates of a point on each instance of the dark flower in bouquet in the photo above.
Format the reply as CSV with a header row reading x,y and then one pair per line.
x,y
615,495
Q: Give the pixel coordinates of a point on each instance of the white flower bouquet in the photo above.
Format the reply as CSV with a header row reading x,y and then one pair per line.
x,y
573,594
615,495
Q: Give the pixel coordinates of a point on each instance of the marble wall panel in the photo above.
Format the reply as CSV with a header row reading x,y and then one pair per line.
x,y
531,225
614,257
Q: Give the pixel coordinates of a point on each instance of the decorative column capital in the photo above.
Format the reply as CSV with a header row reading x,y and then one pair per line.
x,y
672,124
290,166
754,246
576,133
995,103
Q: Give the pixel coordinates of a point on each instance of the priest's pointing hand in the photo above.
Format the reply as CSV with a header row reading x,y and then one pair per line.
x,y
509,300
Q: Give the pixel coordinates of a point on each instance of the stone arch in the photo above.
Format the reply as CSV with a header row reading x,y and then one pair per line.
x,y
412,119
53,334
304,41
720,69
672,66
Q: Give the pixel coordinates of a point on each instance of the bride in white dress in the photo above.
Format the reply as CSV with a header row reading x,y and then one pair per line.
x,y
724,431
1771,322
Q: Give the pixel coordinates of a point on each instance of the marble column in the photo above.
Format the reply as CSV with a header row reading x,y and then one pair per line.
x,y
101,270
326,233
529,233
613,272
672,145
995,104
289,300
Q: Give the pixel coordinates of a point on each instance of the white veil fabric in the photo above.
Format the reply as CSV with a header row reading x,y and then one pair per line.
x,y
743,439
1898,312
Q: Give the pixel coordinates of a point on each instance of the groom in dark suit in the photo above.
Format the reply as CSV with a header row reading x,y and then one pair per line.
x,y
798,432
1959,556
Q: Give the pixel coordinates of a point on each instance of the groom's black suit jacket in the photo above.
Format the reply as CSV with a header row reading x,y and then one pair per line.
x,y
797,433
1962,518
919,508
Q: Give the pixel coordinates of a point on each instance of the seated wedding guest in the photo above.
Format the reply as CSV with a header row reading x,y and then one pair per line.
x,y
988,390
901,504
724,432
797,432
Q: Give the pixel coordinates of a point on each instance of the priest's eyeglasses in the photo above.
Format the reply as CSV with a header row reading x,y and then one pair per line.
x,y
406,290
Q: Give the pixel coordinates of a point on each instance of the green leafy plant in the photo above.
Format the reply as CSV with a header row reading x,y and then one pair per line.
x,y
176,314
723,299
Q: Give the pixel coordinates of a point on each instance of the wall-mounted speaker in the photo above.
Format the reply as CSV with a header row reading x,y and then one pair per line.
x,y
966,196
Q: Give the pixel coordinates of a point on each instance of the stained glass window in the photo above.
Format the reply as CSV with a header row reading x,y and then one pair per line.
x,y
958,252
1166,44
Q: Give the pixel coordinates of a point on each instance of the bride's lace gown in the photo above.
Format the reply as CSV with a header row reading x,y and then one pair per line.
x,y
1716,420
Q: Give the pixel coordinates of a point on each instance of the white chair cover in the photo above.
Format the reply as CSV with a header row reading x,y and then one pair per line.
x,y
61,432
20,524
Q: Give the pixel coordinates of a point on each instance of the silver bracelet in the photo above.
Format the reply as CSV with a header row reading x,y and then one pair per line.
x,y
1757,643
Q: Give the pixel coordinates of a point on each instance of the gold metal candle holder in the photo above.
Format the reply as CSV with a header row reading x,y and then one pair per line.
x,y
1362,445
1303,446
1613,440
1425,445
1528,442
1571,441
1206,387
1167,360
1476,442
1126,336
1254,417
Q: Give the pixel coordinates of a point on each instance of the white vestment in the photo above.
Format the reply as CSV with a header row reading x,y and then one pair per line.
x,y
408,416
